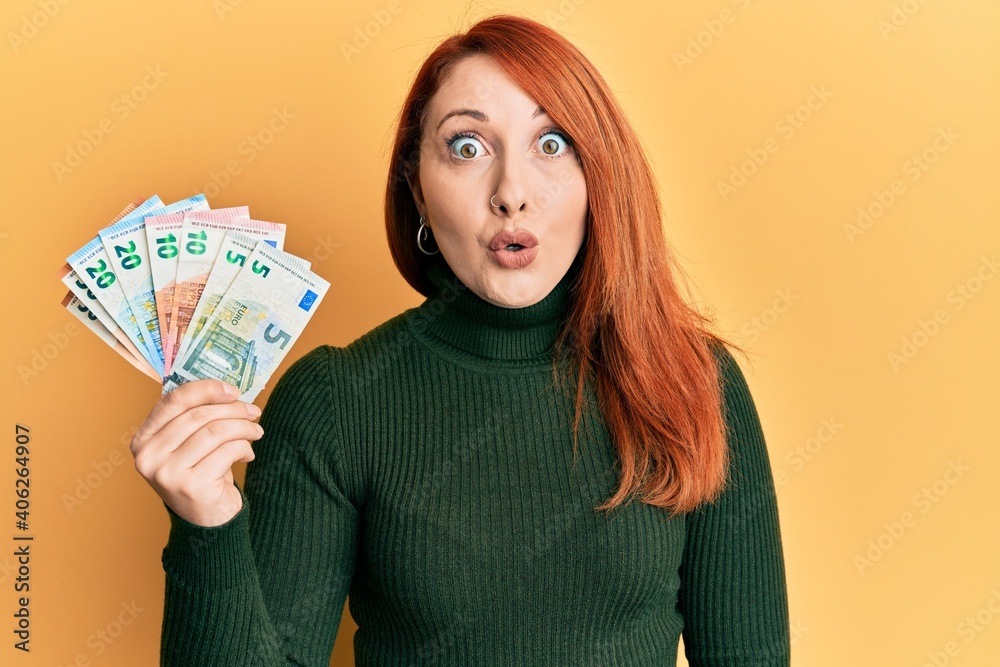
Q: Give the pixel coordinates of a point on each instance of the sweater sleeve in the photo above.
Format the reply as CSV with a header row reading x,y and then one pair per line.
x,y
733,594
268,586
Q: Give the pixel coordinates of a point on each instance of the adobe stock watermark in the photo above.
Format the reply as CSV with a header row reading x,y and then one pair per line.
x,y
558,526
566,8
968,629
434,649
87,484
786,126
371,29
958,296
323,249
427,490
223,7
753,328
900,15
711,30
121,108
99,641
915,167
796,631
7,570
805,452
45,354
247,150
923,501
32,24
403,341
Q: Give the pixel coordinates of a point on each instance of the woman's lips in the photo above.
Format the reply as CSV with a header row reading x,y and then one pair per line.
x,y
514,259
514,250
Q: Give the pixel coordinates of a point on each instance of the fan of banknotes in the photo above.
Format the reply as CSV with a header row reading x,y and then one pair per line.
x,y
184,292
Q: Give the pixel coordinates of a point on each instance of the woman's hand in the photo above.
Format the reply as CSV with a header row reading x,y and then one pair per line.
x,y
187,446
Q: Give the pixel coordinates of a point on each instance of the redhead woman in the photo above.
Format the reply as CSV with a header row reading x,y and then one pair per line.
x,y
550,461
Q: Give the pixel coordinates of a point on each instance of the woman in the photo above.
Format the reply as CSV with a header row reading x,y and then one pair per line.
x,y
451,469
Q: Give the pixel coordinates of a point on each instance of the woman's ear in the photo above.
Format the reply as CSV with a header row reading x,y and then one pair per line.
x,y
412,175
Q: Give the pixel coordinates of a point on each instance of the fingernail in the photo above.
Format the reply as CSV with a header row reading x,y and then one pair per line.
x,y
253,410
231,390
260,429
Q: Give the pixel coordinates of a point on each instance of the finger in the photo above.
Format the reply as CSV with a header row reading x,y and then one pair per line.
x,y
208,438
162,444
155,453
185,397
220,460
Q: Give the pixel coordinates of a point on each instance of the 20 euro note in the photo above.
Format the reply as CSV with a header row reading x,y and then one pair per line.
x,y
128,209
93,266
125,243
163,240
73,304
236,248
200,239
95,310
259,318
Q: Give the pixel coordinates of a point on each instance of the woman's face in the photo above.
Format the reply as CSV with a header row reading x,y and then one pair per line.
x,y
481,139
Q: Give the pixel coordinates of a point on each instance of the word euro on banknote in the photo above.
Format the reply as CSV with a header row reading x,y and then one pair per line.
x,y
257,321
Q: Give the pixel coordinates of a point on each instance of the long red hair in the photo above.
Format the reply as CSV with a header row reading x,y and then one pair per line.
x,y
655,374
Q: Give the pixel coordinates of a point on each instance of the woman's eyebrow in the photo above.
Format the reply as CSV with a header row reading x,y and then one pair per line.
x,y
479,115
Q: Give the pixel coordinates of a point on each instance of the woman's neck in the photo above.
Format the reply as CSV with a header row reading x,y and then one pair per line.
x,y
479,330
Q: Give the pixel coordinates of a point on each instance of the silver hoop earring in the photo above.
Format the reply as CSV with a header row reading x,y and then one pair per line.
x,y
492,204
422,231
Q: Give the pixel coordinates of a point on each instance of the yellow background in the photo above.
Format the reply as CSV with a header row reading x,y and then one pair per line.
x,y
821,309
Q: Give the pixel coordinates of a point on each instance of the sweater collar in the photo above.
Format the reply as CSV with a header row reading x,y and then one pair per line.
x,y
473,326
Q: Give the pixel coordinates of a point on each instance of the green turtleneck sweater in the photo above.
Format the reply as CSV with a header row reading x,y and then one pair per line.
x,y
425,472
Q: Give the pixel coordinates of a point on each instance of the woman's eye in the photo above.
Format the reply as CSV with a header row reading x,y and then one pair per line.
x,y
463,145
551,146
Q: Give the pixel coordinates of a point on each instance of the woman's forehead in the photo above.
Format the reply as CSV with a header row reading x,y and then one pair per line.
x,y
476,87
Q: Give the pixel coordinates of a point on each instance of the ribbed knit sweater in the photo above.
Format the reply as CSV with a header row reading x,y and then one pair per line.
x,y
425,473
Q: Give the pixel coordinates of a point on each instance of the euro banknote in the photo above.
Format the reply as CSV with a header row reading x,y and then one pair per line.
x,y
93,266
243,300
233,252
200,239
257,320
99,272
87,299
73,304
125,243
163,234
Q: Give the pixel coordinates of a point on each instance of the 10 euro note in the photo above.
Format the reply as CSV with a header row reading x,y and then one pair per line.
x,y
257,321
200,239
163,240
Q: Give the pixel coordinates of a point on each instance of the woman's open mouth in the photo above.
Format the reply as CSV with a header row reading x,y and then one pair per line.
x,y
514,250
